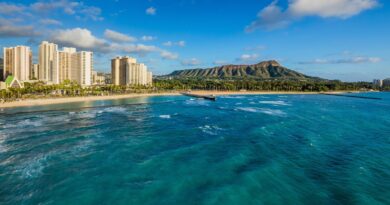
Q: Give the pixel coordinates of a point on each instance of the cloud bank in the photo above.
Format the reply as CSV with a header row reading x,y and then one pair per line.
x,y
274,16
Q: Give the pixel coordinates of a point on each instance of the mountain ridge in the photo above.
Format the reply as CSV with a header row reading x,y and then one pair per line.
x,y
270,69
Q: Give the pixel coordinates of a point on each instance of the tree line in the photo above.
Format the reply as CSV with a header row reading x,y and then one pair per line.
x,y
261,85
69,89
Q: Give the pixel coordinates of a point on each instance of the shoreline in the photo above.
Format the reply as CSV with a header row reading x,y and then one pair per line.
x,y
65,100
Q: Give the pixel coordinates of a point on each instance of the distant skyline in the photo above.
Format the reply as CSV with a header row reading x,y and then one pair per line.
x,y
339,39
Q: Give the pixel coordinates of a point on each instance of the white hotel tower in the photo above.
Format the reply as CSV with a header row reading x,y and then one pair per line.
x,y
126,71
49,63
18,62
57,66
76,66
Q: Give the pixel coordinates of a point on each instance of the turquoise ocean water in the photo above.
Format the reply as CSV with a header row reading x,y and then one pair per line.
x,y
264,149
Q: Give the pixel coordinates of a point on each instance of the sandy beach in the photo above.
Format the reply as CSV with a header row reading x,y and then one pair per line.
x,y
64,100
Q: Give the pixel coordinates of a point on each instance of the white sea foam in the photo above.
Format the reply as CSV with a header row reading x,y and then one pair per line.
x,y
33,168
24,123
3,147
248,109
273,112
165,116
197,102
210,129
115,109
86,114
232,97
275,102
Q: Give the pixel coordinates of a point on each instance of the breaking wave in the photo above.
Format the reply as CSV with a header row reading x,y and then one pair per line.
x,y
165,116
267,111
275,102
211,130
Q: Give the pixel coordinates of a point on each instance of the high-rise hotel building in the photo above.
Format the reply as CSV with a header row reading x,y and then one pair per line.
x,y
49,63
85,67
54,67
67,64
126,71
76,66
18,62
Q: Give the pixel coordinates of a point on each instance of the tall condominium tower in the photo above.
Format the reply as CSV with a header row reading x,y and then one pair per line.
x,y
85,68
75,66
67,64
18,62
126,71
49,63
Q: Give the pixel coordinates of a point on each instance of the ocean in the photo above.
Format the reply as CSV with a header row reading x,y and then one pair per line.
x,y
254,149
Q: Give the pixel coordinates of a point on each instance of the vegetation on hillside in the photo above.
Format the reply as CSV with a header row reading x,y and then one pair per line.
x,y
262,70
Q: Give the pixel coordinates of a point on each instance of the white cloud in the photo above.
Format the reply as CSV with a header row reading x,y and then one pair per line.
x,y
168,43
65,5
79,38
247,58
139,49
8,30
50,22
351,60
168,55
92,12
6,8
16,31
330,8
118,37
79,9
273,16
190,62
151,11
148,38
179,43
84,39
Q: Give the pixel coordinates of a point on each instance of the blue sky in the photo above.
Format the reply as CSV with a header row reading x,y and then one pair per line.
x,y
335,39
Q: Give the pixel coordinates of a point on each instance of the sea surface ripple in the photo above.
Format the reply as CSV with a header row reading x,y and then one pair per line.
x,y
262,149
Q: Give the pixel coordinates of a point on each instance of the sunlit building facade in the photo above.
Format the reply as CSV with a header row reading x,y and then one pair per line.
x,y
85,68
49,63
67,64
17,62
126,71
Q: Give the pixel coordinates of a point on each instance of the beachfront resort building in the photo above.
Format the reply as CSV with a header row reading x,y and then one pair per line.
x,y
67,63
17,62
54,67
85,67
386,82
126,71
76,66
98,78
378,82
49,63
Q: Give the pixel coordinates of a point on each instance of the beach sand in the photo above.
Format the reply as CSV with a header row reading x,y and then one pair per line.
x,y
59,100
